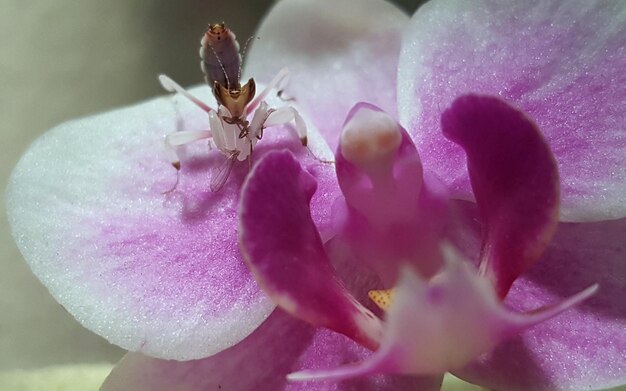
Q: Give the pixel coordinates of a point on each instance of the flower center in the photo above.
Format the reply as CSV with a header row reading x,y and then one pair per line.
x,y
382,298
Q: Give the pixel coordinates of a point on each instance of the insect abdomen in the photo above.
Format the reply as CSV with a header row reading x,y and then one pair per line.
x,y
221,61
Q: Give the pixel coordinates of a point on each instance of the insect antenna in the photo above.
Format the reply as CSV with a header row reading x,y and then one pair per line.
x,y
243,53
171,190
323,161
221,65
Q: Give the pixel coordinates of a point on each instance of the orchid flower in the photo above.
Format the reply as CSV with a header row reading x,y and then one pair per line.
x,y
164,275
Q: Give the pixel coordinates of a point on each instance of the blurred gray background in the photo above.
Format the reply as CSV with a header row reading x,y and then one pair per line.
x,y
64,59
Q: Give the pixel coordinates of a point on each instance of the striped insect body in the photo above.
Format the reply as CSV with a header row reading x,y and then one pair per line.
x,y
220,58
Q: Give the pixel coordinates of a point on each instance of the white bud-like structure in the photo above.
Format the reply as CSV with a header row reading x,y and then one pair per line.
x,y
370,136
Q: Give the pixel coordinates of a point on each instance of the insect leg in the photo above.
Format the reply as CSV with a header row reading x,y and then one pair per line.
x,y
285,115
171,86
277,82
259,119
280,88
180,138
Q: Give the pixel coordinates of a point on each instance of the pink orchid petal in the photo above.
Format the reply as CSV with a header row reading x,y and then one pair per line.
x,y
392,213
261,363
514,179
283,248
562,62
155,273
338,52
437,325
583,348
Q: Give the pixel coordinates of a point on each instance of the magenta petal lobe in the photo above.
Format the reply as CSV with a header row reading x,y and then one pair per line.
x,y
284,250
514,179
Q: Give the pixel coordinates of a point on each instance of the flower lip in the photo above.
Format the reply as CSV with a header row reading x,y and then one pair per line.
x,y
443,323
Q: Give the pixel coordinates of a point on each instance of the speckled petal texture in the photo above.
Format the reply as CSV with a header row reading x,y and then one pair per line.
x,y
562,62
583,348
339,52
260,362
161,274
